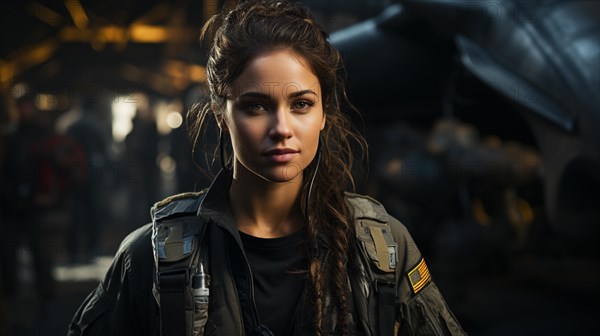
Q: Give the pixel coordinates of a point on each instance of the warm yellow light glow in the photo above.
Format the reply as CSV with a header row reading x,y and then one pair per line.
x,y
38,54
7,72
77,12
175,68
147,34
113,34
46,102
197,73
121,35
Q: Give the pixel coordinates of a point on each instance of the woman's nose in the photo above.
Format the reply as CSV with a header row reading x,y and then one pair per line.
x,y
280,128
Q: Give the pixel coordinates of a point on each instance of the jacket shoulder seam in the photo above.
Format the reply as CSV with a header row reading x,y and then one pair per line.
x,y
177,197
366,207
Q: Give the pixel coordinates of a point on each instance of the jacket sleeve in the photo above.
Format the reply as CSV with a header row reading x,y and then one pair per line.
x,y
422,309
120,305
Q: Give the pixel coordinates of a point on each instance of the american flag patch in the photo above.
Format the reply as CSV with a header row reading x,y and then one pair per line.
x,y
419,276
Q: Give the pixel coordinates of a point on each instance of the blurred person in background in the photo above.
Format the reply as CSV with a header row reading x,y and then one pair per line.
x,y
28,186
140,156
83,237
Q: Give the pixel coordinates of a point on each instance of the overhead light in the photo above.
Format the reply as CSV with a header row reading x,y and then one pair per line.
x,y
77,13
147,33
174,119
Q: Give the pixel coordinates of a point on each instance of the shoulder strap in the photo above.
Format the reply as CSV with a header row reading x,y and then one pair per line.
x,y
379,247
172,286
176,235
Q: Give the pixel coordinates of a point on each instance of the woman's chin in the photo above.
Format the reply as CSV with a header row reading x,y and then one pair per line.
x,y
283,174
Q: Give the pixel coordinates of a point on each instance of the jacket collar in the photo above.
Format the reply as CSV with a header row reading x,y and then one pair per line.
x,y
215,205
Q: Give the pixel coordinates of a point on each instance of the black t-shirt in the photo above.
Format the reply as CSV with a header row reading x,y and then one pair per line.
x,y
278,285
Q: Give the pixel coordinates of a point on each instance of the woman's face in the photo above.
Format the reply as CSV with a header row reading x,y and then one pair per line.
x,y
274,115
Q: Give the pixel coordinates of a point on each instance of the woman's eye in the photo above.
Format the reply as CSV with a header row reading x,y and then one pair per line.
x,y
302,104
254,107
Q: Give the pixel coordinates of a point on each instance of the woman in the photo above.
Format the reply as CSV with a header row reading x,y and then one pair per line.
x,y
276,232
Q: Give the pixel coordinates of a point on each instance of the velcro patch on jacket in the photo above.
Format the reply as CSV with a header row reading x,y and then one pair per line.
x,y
419,276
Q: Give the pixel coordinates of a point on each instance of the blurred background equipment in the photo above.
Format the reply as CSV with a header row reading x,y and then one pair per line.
x,y
481,118
524,71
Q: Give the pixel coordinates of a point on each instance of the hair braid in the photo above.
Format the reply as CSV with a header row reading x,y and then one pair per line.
x,y
316,274
315,269
343,233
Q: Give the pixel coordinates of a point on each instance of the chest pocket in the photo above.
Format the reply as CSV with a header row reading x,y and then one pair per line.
x,y
378,244
175,239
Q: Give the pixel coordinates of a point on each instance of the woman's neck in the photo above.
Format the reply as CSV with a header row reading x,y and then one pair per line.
x,y
265,209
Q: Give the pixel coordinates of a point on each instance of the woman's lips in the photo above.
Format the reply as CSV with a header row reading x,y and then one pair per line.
x,y
281,155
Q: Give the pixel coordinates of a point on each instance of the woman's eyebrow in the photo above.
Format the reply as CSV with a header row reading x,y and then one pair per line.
x,y
253,94
301,93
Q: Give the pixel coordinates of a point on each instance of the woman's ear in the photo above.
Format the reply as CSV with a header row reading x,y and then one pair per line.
x,y
323,121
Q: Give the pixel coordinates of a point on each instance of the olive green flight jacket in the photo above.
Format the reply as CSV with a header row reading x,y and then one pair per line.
x,y
124,304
